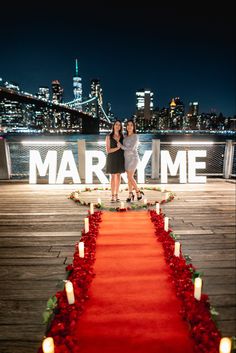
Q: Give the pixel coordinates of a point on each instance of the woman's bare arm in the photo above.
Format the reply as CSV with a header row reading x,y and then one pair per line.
x,y
108,149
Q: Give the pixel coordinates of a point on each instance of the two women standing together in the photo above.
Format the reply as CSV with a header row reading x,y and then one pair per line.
x,y
122,156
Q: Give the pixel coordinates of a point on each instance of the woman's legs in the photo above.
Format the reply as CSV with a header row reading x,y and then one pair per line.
x,y
117,183
113,185
130,185
131,181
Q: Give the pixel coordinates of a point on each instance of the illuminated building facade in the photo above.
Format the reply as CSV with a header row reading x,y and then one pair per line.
x,y
44,93
11,114
96,91
77,87
176,113
57,92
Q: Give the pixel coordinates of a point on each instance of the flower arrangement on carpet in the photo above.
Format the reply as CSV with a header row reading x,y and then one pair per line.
x,y
60,316
99,205
198,313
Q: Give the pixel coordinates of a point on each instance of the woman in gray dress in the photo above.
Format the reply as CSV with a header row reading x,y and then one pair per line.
x,y
130,146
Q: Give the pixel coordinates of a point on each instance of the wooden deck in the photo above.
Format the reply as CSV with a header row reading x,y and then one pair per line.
x,y
38,229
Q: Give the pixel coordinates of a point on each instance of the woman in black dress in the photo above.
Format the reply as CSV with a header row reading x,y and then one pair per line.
x,y
115,158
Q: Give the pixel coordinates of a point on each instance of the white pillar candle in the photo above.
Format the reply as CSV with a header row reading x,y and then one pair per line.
x,y
48,345
81,249
76,195
145,201
225,345
157,208
86,225
91,208
122,205
177,248
166,196
197,288
70,292
99,201
166,224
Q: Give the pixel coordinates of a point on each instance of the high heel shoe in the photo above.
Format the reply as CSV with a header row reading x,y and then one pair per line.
x,y
113,198
131,197
117,198
140,193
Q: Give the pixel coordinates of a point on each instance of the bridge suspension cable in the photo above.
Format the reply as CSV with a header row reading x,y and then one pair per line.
x,y
81,103
71,103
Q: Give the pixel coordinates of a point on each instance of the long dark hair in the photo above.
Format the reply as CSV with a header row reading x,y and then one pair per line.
x,y
113,128
134,125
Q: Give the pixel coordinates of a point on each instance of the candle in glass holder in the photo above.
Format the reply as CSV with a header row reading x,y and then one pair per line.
x,y
157,208
99,201
122,205
70,292
177,248
225,345
91,208
86,225
81,249
166,224
197,288
48,345
145,201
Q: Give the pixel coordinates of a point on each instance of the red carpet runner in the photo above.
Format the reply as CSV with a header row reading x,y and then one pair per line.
x,y
133,305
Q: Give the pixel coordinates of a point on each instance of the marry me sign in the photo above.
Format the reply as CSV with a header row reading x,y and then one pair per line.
x,y
185,165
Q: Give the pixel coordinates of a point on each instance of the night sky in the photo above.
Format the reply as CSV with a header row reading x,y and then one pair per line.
x,y
171,49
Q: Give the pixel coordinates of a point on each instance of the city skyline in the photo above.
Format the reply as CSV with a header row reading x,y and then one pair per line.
x,y
49,87
167,49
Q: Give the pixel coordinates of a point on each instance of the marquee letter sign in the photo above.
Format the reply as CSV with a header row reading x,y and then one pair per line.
x,y
95,162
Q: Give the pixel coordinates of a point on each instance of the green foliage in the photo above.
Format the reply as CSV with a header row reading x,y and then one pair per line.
x,y
174,236
214,313
187,258
51,306
196,274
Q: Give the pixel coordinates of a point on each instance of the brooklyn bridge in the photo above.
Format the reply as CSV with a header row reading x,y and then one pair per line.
x,y
87,122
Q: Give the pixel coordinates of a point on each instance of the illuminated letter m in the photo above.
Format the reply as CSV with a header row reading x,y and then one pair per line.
x,y
36,163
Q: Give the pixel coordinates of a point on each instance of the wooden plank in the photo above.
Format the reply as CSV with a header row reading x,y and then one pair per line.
x,y
32,273
39,226
44,261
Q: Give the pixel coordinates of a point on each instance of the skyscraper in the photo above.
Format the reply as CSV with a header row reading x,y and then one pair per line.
x,y
193,109
176,113
43,93
11,114
77,87
96,91
57,92
144,104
